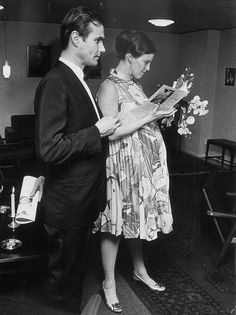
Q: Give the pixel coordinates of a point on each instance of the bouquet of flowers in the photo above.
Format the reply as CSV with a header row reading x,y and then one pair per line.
x,y
186,110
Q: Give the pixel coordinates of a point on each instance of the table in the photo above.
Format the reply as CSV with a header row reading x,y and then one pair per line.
x,y
224,145
31,254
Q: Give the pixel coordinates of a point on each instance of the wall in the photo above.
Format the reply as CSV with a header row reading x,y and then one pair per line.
x,y
210,53
17,92
200,51
224,125
207,52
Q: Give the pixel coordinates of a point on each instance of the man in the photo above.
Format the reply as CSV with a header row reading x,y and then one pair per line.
x,y
71,141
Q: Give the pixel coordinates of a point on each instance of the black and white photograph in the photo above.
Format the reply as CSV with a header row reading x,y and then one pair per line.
x,y
117,157
230,76
38,60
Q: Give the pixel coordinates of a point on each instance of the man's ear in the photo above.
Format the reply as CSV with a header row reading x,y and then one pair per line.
x,y
75,38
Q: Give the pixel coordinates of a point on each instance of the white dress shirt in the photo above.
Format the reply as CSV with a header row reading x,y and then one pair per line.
x,y
80,75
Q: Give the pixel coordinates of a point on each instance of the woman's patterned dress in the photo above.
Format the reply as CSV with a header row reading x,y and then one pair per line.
x,y
138,202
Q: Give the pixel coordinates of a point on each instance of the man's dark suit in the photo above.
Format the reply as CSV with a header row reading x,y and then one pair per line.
x,y
74,153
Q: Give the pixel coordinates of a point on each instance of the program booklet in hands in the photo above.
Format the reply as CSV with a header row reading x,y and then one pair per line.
x,y
27,206
167,97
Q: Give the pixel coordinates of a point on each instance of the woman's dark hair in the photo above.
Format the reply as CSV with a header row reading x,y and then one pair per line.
x,y
134,42
78,19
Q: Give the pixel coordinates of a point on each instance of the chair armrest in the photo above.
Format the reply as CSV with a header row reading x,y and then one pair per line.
x,y
9,132
21,140
221,215
10,144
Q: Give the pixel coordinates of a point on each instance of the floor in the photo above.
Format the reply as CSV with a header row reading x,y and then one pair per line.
x,y
183,260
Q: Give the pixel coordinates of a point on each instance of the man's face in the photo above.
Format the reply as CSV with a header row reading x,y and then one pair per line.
x,y
90,48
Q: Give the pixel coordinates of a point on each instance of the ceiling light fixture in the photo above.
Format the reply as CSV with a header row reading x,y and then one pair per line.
x,y
161,22
1,7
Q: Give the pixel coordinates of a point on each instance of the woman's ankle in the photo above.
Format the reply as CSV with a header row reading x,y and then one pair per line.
x,y
140,271
110,293
109,283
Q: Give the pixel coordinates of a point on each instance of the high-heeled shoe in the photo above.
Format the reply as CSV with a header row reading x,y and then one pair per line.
x,y
155,287
116,308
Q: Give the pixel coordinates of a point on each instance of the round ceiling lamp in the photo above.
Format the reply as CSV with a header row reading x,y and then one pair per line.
x,y
161,22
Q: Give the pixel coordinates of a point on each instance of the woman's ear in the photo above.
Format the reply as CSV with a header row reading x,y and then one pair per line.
x,y
129,57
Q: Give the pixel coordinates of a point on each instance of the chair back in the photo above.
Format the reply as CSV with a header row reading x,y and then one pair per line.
x,y
214,190
221,207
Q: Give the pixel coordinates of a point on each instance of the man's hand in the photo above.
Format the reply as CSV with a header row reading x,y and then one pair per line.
x,y
38,186
107,125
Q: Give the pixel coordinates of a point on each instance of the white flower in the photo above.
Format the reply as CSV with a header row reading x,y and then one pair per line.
x,y
184,131
190,120
203,112
187,110
184,87
195,99
168,121
195,111
189,85
185,80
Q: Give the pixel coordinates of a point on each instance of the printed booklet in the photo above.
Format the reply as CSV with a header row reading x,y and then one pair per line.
x,y
166,96
27,206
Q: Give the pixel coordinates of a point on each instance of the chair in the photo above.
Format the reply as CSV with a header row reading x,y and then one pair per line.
x,y
21,134
9,156
221,208
224,145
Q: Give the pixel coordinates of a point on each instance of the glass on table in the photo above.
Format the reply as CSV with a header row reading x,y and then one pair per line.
x,y
10,244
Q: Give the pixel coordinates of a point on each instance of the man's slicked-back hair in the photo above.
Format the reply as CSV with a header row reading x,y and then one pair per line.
x,y
78,19
136,43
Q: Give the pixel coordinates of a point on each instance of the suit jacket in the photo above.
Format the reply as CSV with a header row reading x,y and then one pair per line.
x,y
69,144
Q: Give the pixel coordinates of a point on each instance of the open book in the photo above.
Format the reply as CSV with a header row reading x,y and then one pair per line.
x,y
167,97
27,206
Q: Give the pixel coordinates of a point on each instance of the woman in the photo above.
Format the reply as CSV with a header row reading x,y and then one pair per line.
x,y
138,205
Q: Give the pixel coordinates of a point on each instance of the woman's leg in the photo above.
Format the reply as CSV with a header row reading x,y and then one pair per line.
x,y
109,249
136,250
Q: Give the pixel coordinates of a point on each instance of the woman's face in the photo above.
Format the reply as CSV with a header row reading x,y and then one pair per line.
x,y
138,66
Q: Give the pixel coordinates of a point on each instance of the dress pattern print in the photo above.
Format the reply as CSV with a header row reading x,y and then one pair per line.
x,y
138,204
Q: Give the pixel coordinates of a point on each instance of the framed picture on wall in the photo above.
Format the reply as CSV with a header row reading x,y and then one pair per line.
x,y
38,58
229,76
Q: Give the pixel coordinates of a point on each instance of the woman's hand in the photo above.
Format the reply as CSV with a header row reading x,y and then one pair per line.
x,y
157,114
168,113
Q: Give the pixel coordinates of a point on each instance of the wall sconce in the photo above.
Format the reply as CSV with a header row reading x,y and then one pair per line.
x,y
6,69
